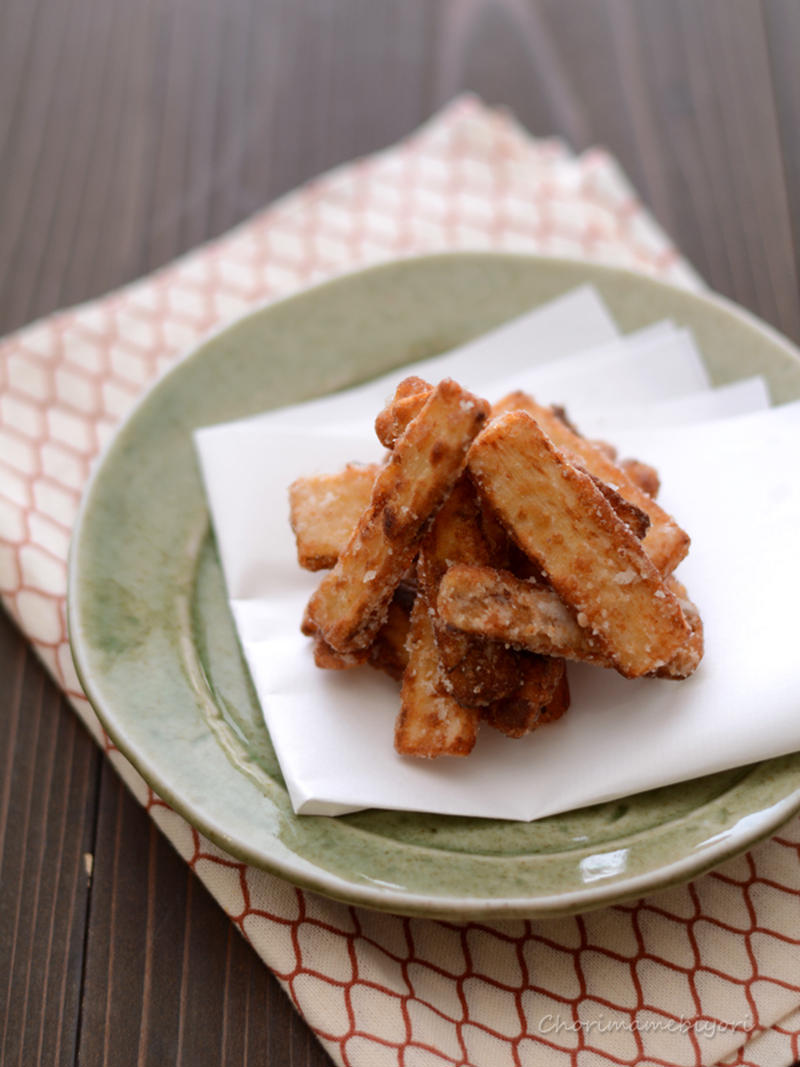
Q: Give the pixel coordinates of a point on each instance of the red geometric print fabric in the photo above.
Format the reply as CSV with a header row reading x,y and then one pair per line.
x,y
700,974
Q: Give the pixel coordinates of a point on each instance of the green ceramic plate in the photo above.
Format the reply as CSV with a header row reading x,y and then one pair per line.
x,y
156,651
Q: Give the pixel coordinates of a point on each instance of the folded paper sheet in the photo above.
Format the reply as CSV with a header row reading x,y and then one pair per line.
x,y
729,481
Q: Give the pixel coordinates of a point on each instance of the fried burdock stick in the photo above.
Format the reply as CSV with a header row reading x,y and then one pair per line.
x,y
532,616
324,509
431,723
542,697
593,560
350,604
665,542
475,670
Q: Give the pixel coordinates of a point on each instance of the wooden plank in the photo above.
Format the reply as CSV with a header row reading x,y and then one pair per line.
x,y
782,24
724,195
168,979
508,53
680,92
47,800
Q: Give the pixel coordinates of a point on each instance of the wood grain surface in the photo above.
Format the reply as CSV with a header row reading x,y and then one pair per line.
x,y
130,132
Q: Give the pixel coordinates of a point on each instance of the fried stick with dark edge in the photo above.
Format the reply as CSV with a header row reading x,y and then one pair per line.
x,y
431,723
350,604
324,509
530,615
475,670
665,542
542,697
593,560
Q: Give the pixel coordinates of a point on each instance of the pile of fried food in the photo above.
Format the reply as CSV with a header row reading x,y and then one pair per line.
x,y
490,546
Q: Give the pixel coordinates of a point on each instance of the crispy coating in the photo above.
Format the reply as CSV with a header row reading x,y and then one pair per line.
x,y
543,696
687,659
593,560
475,671
388,652
521,612
560,412
350,604
559,703
643,475
666,543
635,518
605,447
532,616
412,386
405,405
430,723
324,508
496,536
330,660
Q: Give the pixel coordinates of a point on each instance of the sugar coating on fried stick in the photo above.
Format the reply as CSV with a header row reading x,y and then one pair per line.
x,y
643,475
350,604
687,659
430,723
532,616
635,518
475,670
496,537
666,543
523,613
559,703
592,559
412,385
328,659
406,404
605,447
389,652
541,693
324,508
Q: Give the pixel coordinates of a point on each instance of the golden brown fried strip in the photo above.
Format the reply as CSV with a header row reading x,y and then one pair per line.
x,y
411,386
330,660
324,508
388,652
558,705
496,537
638,520
607,449
687,659
523,613
405,405
430,723
643,475
532,616
560,412
666,543
350,604
540,693
593,560
474,670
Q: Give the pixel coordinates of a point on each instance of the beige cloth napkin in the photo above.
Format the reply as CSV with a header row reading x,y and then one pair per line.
x,y
700,974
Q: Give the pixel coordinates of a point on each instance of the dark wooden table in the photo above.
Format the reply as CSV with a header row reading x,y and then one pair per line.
x,y
132,131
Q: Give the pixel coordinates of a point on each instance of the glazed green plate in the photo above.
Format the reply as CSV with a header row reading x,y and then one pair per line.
x,y
157,654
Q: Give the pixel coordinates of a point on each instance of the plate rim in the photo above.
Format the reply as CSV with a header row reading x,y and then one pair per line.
x,y
741,836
